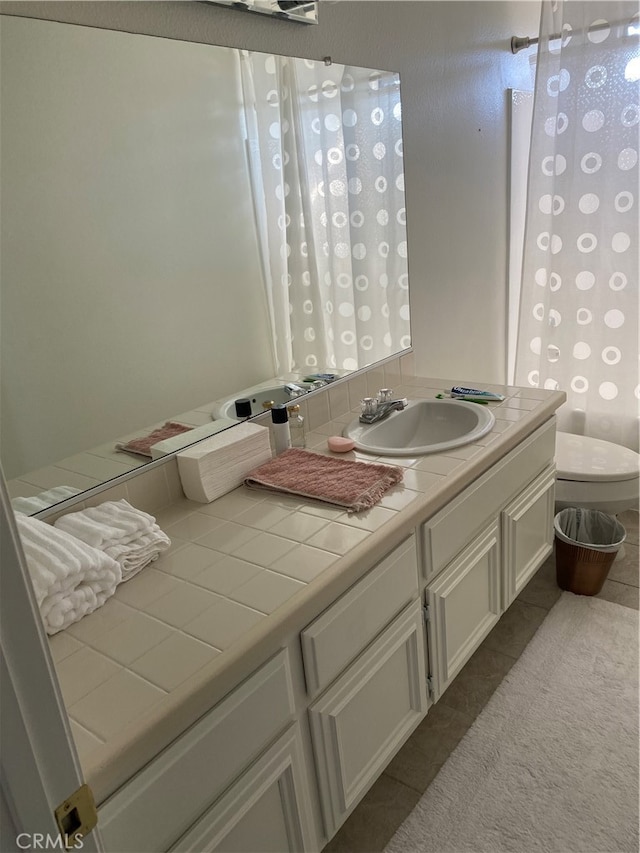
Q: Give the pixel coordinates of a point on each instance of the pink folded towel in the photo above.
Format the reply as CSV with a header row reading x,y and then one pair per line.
x,y
353,485
142,446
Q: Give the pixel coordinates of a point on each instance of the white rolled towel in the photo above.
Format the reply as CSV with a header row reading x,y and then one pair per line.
x,y
125,533
70,578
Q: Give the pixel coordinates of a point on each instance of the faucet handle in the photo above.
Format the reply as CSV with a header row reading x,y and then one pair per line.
x,y
368,405
385,394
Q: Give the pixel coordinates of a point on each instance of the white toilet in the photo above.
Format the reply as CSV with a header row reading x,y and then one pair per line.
x,y
595,474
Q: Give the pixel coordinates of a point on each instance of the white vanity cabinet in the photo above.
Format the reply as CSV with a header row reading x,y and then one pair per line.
x,y
527,534
367,653
482,548
303,738
359,724
463,606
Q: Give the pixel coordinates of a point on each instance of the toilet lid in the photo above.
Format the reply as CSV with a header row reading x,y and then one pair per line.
x,y
581,458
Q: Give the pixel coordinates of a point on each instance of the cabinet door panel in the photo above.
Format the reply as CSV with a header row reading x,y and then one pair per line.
x,y
346,628
527,534
464,605
267,809
360,722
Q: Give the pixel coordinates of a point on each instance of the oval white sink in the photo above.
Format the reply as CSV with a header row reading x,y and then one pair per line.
x,y
424,426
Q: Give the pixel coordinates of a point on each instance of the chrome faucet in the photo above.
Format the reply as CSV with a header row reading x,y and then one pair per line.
x,y
294,390
376,409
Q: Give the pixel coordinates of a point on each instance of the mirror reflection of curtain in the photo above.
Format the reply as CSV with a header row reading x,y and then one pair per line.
x,y
578,328
329,203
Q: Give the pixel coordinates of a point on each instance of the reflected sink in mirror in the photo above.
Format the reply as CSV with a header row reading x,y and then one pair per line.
x,y
257,396
424,426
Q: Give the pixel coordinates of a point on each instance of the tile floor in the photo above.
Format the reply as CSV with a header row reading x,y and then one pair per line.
x,y
407,777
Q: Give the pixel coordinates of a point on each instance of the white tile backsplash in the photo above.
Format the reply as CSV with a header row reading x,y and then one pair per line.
x,y
149,491
318,410
338,400
357,388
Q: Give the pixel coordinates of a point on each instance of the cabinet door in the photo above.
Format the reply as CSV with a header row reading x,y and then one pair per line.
x,y
464,605
527,534
267,809
467,515
360,722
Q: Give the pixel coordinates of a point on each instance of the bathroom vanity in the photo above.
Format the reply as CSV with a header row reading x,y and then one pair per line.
x,y
274,739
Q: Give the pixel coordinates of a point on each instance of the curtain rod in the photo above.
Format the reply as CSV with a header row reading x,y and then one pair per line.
x,y
523,42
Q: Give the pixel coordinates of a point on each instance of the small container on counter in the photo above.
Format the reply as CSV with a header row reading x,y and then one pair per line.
x,y
280,428
296,426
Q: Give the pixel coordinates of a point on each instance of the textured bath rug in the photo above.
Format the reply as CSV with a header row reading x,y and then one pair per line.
x,y
551,763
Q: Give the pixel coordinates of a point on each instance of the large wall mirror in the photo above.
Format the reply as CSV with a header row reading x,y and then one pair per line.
x,y
180,223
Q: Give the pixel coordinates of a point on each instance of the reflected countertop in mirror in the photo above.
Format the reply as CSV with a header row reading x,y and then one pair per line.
x,y
182,222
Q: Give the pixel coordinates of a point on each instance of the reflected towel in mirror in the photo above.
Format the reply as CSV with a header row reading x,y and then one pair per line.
x,y
142,446
35,503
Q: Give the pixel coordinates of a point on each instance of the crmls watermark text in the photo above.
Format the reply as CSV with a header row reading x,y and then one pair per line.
x,y
40,841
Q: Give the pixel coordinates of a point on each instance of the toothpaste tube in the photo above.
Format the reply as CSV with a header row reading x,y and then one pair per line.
x,y
482,396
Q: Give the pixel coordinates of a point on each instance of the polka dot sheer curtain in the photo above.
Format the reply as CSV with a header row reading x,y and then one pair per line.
x,y
578,326
329,203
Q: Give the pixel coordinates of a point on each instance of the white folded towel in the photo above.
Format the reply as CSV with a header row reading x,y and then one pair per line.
x,y
125,533
45,499
70,578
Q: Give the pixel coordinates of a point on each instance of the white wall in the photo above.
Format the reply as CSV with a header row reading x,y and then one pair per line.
x,y
456,67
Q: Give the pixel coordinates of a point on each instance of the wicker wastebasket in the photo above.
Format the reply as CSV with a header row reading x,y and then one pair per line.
x,y
587,542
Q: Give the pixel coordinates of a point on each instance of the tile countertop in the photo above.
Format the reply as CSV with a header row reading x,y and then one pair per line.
x,y
243,575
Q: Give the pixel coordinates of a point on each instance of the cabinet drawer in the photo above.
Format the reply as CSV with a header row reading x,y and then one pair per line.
x,y
158,805
336,637
267,809
447,532
362,720
527,534
464,605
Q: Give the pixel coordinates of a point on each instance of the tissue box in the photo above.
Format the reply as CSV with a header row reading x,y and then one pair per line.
x,y
219,464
